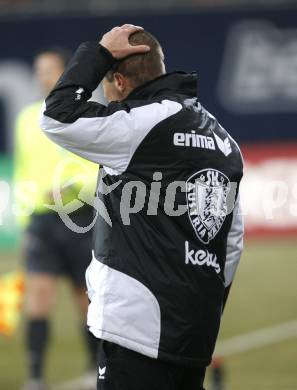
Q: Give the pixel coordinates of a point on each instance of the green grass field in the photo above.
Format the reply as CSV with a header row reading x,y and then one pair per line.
x,y
264,294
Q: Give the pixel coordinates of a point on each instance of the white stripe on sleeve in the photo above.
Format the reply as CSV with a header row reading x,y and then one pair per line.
x,y
109,140
234,244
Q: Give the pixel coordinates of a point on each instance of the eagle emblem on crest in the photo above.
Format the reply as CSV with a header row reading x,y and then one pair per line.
x,y
207,192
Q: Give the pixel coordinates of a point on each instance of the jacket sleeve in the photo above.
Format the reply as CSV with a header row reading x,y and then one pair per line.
x,y
234,247
105,135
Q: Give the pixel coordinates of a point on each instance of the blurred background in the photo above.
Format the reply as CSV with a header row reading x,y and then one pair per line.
x,y
245,53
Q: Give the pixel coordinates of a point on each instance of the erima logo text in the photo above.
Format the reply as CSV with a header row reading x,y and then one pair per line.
x,y
102,372
201,257
193,140
201,141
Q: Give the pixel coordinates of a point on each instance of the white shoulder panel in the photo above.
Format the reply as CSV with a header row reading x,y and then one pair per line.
x,y
109,140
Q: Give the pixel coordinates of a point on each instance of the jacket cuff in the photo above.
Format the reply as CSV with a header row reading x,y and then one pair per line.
x,y
107,54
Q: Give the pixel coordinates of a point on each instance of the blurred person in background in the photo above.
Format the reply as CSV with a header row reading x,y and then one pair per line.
x,y
50,248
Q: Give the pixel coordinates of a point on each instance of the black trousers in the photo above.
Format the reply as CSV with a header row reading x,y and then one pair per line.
x,y
122,369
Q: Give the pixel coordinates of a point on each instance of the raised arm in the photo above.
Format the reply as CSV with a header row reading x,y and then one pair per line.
x,y
106,135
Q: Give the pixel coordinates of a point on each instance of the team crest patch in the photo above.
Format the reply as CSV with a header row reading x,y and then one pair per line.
x,y
207,192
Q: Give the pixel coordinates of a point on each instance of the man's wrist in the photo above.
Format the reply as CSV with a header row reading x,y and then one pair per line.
x,y
107,54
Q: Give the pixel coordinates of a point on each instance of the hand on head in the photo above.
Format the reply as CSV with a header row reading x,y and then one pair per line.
x,y
116,41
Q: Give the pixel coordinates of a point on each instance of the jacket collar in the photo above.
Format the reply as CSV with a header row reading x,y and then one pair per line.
x,y
179,82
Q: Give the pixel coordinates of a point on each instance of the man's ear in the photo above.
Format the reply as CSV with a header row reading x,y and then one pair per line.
x,y
120,82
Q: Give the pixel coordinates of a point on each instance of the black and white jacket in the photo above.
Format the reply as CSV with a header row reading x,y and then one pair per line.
x,y
166,240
